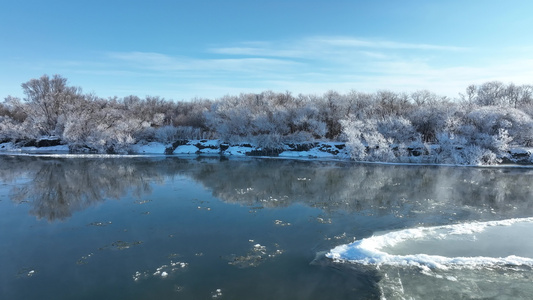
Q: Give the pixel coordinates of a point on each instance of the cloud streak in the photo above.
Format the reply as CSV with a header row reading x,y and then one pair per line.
x,y
163,62
313,46
310,65
348,42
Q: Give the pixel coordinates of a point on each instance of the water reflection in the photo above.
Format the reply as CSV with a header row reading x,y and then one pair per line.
x,y
403,191
57,187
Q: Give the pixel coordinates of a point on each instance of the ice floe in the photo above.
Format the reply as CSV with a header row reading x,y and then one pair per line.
x,y
255,256
161,272
505,242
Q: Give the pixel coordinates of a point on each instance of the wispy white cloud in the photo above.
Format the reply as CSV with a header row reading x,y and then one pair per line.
x,y
267,51
163,62
147,59
321,45
308,65
375,55
349,42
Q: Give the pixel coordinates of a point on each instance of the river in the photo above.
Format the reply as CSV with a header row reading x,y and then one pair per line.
x,y
165,227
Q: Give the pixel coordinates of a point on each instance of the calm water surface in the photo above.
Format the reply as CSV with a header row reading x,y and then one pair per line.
x,y
171,228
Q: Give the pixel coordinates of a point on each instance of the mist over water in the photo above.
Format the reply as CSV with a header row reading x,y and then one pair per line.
x,y
249,227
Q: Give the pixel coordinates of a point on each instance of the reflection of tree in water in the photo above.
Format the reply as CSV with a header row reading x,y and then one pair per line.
x,y
373,189
59,187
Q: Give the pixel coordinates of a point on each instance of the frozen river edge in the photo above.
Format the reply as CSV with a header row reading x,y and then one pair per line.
x,y
327,150
204,147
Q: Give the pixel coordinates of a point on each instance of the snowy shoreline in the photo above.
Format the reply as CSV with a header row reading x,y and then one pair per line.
x,y
193,148
325,150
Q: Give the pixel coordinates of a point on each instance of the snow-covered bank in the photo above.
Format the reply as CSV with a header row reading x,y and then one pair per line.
x,y
11,147
206,147
308,150
217,147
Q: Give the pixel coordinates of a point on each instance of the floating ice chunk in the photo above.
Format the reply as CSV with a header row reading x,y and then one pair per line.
x,y
476,244
163,271
259,248
281,223
255,256
217,293
137,276
323,220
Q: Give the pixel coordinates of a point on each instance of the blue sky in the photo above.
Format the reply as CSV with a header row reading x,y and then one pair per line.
x,y
207,49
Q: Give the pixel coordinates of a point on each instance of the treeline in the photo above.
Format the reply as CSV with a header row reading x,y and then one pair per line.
x,y
478,127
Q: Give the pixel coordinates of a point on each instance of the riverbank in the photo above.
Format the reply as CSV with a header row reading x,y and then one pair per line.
x,y
204,147
197,147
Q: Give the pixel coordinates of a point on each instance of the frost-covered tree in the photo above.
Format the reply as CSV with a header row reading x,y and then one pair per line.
x,y
519,96
14,122
455,150
81,123
390,103
397,129
428,119
14,108
365,142
496,93
269,119
480,127
425,97
491,120
331,112
190,113
48,100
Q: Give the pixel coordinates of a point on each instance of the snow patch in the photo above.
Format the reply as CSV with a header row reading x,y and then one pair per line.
x,y
313,153
59,148
150,148
237,150
209,151
521,151
186,149
9,146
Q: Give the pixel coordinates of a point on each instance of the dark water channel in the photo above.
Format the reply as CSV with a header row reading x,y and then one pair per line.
x,y
171,228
